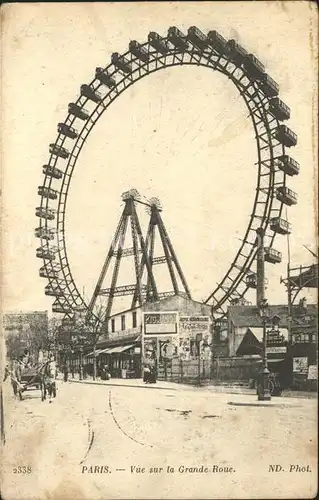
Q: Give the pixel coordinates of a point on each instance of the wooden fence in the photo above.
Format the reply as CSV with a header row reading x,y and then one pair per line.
x,y
195,371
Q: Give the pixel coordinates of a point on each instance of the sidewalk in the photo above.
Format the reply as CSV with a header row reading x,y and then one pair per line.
x,y
174,386
133,382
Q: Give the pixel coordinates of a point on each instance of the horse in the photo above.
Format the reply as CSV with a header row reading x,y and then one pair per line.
x,y
48,385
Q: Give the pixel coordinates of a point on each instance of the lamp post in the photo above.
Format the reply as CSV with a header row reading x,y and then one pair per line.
x,y
263,382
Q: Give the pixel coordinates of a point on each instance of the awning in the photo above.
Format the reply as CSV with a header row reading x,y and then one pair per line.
x,y
275,360
117,350
90,354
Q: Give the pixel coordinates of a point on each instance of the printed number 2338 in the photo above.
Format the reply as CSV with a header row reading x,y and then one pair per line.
x,y
22,469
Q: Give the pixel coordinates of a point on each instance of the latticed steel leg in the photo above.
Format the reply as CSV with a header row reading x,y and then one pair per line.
x,y
151,255
106,263
174,257
142,265
136,259
115,271
145,254
167,254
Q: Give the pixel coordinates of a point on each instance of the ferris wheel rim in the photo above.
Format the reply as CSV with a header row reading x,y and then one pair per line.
x,y
62,249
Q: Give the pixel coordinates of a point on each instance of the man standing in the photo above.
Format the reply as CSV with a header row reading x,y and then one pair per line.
x,y
66,371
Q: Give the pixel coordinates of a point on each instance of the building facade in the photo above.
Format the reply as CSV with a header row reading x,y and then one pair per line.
x,y
175,326
291,348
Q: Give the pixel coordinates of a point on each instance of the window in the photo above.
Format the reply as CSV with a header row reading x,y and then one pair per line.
x,y
302,338
113,325
134,319
123,322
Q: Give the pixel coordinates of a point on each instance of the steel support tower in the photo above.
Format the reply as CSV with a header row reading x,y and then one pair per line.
x,y
142,253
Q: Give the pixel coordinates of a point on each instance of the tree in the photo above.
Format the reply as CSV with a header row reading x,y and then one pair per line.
x,y
26,331
95,333
88,330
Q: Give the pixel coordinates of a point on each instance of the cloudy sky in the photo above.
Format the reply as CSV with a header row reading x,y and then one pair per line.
x,y
181,134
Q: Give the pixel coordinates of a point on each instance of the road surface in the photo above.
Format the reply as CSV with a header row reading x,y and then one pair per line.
x,y
100,442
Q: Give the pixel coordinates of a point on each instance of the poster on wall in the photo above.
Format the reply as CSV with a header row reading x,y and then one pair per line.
x,y
194,324
167,349
184,347
300,365
160,323
313,372
150,346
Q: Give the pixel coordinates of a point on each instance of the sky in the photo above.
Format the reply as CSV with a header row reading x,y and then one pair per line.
x,y
181,134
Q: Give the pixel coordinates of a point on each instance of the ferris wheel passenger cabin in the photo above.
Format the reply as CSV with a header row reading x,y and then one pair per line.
x,y
286,195
286,136
251,280
52,172
288,165
66,130
177,38
217,41
279,225
53,291
236,52
47,192
272,255
90,93
138,51
44,233
254,67
197,37
279,109
121,62
45,253
45,213
59,151
157,42
48,272
269,87
105,78
77,111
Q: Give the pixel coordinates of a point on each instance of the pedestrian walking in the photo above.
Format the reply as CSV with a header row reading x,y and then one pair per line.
x,y
65,372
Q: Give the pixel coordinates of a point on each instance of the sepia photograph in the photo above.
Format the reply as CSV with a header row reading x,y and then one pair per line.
x,y
159,250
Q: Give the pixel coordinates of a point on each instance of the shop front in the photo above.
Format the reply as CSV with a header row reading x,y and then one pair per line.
x,y
278,363
121,358
123,361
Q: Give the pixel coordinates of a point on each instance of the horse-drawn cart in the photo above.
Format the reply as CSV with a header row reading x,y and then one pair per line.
x,y
40,377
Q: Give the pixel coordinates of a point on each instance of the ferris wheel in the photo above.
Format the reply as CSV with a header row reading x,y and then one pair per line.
x,y
273,165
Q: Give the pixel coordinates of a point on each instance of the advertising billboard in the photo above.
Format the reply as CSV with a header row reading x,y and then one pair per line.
x,y
194,325
160,323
